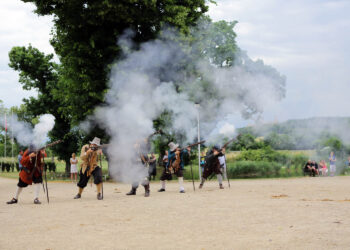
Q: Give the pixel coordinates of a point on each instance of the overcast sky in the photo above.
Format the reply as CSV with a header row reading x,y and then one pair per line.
x,y
307,41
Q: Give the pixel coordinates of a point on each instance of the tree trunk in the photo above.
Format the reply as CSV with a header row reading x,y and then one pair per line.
x,y
67,166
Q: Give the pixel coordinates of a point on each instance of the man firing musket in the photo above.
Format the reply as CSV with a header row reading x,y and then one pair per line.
x,y
142,149
212,164
32,171
89,157
175,164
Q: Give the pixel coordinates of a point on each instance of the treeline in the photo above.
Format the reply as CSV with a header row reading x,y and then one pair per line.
x,y
301,134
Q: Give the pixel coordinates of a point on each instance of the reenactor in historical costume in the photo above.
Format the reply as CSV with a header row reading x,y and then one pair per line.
x,y
31,172
152,171
141,152
89,166
212,165
174,165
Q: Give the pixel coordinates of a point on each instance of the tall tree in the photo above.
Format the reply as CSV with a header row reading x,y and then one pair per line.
x,y
38,71
85,39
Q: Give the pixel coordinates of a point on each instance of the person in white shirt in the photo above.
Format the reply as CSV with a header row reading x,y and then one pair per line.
x,y
222,160
73,167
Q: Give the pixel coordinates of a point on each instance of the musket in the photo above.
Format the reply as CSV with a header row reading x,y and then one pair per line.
x,y
47,190
102,175
188,146
226,144
192,145
38,150
224,147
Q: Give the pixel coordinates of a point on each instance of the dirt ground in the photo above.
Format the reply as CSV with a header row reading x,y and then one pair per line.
x,y
298,213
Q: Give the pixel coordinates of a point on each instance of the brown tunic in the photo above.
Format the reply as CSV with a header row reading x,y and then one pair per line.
x,y
88,159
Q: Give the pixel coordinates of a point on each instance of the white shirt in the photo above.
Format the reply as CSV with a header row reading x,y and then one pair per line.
x,y
222,160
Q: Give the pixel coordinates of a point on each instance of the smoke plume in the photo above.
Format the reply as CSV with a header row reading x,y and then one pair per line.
x,y
25,134
156,78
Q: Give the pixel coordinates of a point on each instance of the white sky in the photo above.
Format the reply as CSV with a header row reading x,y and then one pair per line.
x,y
307,41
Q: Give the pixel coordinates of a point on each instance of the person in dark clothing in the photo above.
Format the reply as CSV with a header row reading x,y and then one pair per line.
x,y
212,165
152,170
310,168
315,165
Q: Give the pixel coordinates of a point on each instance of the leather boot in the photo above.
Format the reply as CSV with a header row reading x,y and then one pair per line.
x,y
147,191
13,201
132,192
78,196
36,201
200,185
221,186
99,196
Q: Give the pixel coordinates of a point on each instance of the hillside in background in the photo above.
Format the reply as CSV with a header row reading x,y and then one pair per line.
x,y
308,133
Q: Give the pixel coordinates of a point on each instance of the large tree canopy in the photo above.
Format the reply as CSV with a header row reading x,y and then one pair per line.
x,y
85,36
38,71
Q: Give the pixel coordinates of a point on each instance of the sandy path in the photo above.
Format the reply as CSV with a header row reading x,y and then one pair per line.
x,y
301,213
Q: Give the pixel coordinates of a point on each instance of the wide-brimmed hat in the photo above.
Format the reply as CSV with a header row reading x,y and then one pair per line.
x,y
173,146
96,141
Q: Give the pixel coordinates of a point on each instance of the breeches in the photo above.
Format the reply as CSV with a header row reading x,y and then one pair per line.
x,y
35,181
97,174
168,176
144,182
209,170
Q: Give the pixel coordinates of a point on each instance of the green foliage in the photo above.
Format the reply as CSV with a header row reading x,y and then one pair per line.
x,y
247,141
38,71
254,169
264,154
215,41
280,141
85,39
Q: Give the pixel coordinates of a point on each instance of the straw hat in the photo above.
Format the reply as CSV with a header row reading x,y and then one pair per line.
x,y
173,146
96,141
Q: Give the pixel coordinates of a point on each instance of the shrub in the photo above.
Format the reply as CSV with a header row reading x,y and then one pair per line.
x,y
266,154
253,169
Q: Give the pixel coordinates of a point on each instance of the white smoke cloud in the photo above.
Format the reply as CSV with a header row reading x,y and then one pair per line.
x,y
151,80
227,129
25,134
40,131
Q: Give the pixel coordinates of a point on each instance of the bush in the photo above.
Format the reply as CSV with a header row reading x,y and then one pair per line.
x,y
246,169
266,154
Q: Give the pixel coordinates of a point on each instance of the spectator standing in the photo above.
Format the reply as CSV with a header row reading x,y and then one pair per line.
x,y
19,157
73,167
332,167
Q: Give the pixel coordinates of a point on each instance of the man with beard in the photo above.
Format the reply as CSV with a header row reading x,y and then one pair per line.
x,y
89,166
141,158
32,169
212,165
175,164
